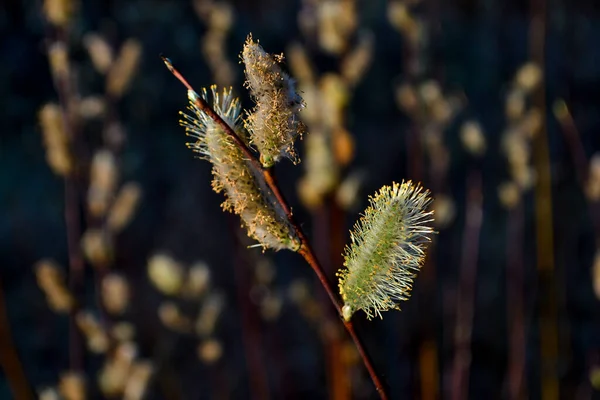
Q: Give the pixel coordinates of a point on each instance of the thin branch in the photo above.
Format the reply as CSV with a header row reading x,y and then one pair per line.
x,y
71,211
305,250
467,290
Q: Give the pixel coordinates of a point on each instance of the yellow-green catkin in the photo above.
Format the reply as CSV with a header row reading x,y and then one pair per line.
x,y
274,123
386,251
246,194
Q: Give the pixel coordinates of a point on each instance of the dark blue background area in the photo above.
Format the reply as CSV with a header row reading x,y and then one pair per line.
x,y
475,48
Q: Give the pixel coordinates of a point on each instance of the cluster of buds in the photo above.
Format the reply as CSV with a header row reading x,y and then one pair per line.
x,y
523,124
330,146
332,22
171,278
124,375
404,18
431,112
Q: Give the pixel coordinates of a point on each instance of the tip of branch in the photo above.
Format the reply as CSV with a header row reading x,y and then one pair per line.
x,y
167,62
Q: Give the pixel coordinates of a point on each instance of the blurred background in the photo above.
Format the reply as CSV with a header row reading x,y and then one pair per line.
x,y
120,276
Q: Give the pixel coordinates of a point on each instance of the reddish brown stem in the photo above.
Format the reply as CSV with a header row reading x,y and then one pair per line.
x,y
573,140
71,212
305,249
515,306
466,297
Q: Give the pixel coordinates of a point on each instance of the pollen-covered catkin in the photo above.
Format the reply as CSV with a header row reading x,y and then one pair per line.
x,y
274,123
247,195
387,250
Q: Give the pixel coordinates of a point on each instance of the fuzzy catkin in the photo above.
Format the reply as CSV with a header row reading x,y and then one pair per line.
x,y
387,250
274,123
246,194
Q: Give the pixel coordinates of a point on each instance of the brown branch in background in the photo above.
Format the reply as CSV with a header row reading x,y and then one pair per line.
x,y
61,71
305,249
515,307
257,375
571,134
549,292
580,159
465,305
9,358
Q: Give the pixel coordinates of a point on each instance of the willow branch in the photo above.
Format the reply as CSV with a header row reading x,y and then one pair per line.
x,y
62,84
305,250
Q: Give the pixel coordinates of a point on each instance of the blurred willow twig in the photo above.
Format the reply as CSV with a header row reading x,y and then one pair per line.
x,y
467,289
305,250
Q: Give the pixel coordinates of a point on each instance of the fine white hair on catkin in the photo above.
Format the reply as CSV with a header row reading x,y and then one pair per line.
x,y
273,124
387,250
246,194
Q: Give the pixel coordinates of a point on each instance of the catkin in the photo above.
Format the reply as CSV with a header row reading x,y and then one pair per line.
x,y
246,194
387,250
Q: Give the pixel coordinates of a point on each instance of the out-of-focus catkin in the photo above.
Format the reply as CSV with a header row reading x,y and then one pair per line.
x,y
56,140
124,206
51,280
72,386
101,53
103,182
123,69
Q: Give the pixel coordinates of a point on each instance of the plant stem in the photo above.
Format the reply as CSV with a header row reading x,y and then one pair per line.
x,y
64,90
305,250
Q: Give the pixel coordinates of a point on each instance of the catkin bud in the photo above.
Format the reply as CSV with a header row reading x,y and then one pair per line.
x,y
300,64
96,337
198,280
56,140
472,138
48,393
209,314
274,123
528,77
72,386
114,374
139,375
124,206
247,193
165,274
58,57
210,351
122,71
51,281
592,187
387,250
97,247
103,182
100,52
172,317
356,63
59,12
115,293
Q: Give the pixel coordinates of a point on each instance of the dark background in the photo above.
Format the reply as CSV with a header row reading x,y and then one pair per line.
x,y
474,49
